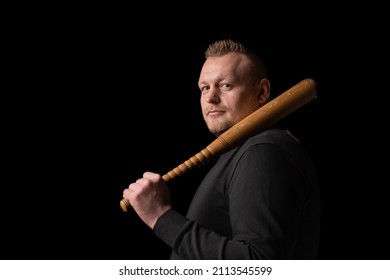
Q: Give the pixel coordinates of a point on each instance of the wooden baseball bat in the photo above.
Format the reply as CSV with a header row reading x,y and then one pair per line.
x,y
264,117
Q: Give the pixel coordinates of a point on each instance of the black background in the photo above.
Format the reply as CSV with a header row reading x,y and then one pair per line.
x,y
97,96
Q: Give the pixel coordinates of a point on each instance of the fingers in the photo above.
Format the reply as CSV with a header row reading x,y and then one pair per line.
x,y
154,177
146,182
148,179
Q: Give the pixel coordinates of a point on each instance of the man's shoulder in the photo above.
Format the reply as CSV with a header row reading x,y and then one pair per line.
x,y
274,135
281,139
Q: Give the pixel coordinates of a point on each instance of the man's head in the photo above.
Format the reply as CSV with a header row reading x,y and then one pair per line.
x,y
233,83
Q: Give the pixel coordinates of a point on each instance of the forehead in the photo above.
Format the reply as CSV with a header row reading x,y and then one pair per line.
x,y
231,64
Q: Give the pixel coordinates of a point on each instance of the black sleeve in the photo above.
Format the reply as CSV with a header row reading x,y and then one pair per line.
x,y
265,196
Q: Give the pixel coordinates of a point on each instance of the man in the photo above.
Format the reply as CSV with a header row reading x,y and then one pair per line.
x,y
260,200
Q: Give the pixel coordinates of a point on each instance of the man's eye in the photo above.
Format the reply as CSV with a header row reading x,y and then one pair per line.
x,y
204,89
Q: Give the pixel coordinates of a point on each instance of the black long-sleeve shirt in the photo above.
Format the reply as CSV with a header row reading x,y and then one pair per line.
x,y
259,201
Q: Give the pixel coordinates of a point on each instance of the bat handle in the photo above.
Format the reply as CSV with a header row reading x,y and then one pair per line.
x,y
199,159
125,204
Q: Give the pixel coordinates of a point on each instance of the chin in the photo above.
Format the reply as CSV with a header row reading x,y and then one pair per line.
x,y
217,132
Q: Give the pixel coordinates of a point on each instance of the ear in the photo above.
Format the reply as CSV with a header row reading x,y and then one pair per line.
x,y
264,91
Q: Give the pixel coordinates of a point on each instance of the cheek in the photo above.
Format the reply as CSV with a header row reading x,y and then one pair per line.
x,y
203,103
202,107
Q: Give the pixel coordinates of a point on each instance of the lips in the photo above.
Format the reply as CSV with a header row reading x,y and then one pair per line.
x,y
214,112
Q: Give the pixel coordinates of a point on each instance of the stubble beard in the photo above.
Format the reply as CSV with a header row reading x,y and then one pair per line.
x,y
218,129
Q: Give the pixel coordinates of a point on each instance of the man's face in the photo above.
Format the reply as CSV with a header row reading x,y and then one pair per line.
x,y
228,91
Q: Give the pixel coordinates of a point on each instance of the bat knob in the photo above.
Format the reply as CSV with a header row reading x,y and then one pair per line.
x,y
125,204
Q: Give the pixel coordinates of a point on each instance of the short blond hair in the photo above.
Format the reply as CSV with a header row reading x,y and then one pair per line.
x,y
225,46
